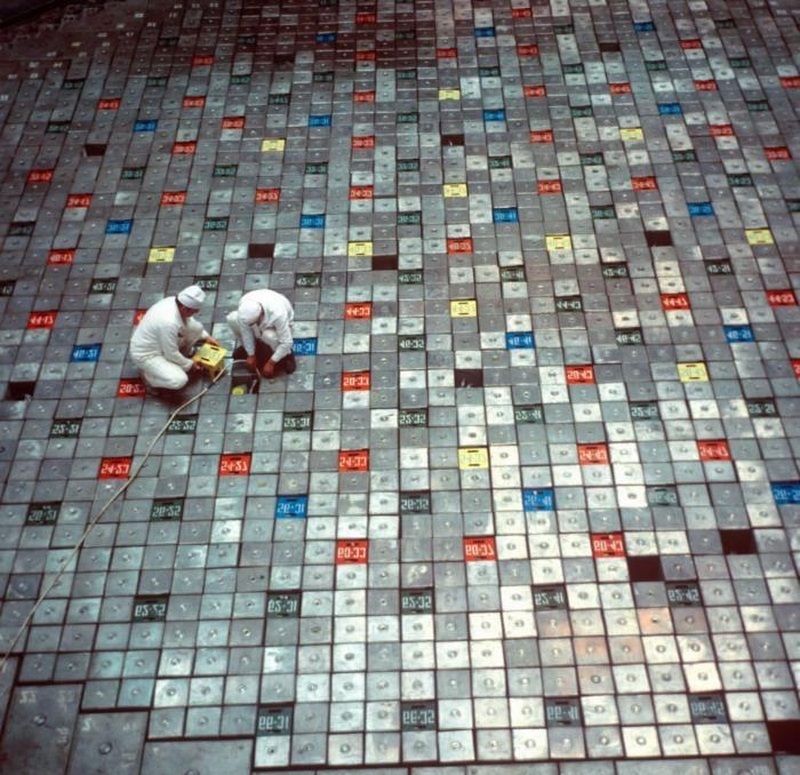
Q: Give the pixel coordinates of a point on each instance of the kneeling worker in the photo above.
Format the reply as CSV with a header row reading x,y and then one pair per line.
x,y
262,326
163,341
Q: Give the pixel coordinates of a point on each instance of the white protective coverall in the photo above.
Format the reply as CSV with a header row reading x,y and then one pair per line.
x,y
275,327
159,342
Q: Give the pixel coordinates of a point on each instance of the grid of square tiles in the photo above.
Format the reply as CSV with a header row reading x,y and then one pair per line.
x,y
532,492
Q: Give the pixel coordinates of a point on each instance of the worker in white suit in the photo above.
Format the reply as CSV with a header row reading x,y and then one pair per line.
x,y
163,341
262,327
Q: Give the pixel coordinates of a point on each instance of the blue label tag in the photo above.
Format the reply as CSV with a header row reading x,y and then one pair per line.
x,y
307,346
319,120
494,115
484,32
700,208
312,221
291,507
326,37
85,353
643,26
119,227
149,125
670,109
786,493
505,215
739,334
519,340
539,500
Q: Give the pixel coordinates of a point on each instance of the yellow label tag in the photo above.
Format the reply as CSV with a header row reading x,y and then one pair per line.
x,y
559,242
161,255
449,94
453,190
359,249
631,133
693,372
759,237
273,144
473,457
463,308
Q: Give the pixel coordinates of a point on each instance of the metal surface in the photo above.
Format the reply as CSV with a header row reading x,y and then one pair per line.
x,y
529,503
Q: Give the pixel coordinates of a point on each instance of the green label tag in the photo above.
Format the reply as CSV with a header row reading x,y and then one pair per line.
x,y
65,429
166,509
42,513
412,418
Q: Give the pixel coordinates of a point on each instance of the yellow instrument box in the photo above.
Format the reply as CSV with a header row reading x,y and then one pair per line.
x,y
211,358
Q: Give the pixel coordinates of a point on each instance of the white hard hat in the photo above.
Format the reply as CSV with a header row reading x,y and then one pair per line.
x,y
192,297
249,311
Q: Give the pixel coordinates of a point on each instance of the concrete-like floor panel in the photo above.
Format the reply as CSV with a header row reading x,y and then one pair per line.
x,y
530,502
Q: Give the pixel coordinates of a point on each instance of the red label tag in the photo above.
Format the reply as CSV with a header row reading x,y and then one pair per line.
x,y
521,13
784,298
480,548
459,246
693,43
527,50
366,17
235,464
138,315
131,388
446,53
720,130
361,192
365,56
620,88
109,104
791,82
42,319
202,60
169,198
796,367
233,122
355,380
549,187
79,200
364,96
593,454
353,460
40,176
363,143
186,148
352,551
534,91
705,84
194,102
778,153
644,184
580,375
608,545
542,136
267,195
61,257
674,301
358,310
717,449
115,467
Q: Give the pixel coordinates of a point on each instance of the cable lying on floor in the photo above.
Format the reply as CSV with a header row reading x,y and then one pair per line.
x,y
93,522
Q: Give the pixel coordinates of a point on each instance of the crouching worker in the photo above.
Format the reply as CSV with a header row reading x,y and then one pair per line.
x,y
262,327
162,343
